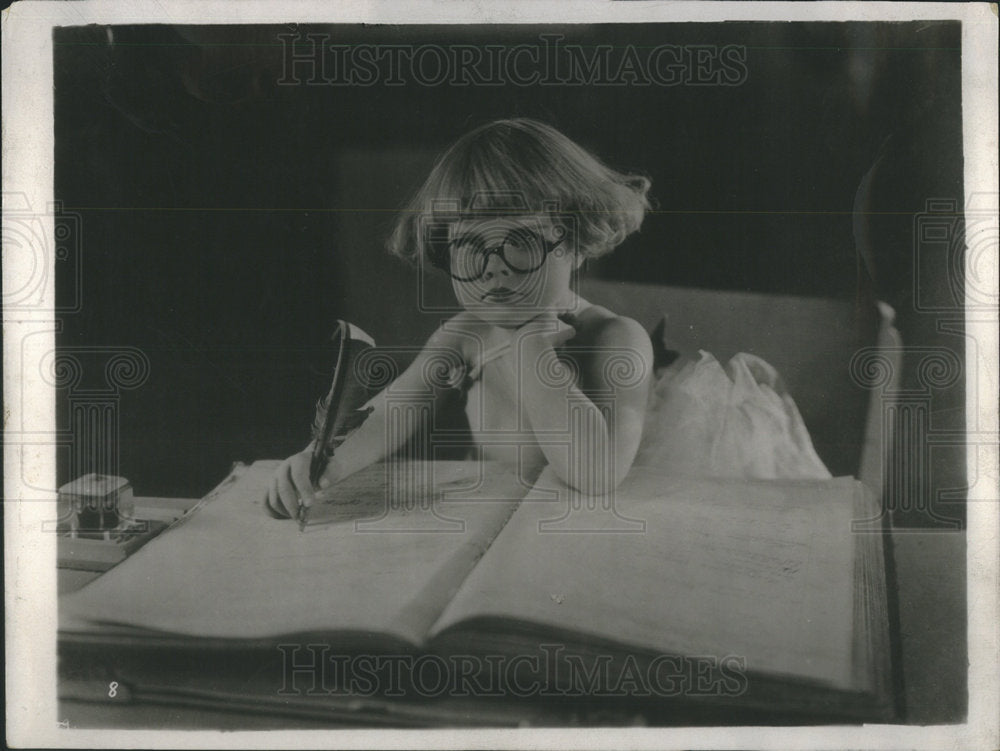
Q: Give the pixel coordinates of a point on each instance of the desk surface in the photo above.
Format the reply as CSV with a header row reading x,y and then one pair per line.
x,y
931,595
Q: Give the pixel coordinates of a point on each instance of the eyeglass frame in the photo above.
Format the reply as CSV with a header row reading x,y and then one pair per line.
x,y
444,263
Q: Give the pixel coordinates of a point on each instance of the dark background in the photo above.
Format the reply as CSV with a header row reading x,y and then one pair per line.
x,y
225,221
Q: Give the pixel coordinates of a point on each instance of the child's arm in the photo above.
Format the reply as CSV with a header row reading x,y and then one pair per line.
x,y
590,452
371,442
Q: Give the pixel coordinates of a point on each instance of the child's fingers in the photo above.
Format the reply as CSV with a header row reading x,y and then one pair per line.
x,y
552,328
544,324
271,503
564,334
299,472
280,504
287,494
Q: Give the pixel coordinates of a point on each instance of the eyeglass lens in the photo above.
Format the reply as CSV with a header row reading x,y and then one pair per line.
x,y
521,251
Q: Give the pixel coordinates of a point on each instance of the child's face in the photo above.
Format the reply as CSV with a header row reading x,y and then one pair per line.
x,y
508,270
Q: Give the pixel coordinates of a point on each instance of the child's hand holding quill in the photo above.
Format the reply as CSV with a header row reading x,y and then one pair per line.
x,y
291,491
290,487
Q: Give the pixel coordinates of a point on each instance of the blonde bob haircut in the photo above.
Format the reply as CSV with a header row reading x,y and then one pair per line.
x,y
524,166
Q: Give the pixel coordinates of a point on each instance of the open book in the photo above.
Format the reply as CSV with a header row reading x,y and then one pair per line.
x,y
733,593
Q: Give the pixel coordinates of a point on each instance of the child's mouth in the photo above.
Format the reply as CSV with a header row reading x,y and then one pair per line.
x,y
499,294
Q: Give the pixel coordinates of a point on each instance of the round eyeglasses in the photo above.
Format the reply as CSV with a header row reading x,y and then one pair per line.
x,y
522,250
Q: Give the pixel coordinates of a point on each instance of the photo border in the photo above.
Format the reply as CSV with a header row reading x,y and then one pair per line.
x,y
30,409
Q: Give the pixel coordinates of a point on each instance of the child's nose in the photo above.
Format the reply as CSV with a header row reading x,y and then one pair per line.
x,y
495,266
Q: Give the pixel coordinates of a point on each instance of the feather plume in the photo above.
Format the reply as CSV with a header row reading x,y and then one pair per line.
x,y
341,411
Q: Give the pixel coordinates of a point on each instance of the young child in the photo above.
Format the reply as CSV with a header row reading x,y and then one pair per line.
x,y
510,212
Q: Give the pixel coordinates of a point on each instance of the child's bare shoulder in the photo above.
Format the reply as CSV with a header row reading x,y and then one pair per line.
x,y
604,337
599,326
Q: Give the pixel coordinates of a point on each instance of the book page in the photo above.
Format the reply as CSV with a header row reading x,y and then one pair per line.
x,y
761,570
230,571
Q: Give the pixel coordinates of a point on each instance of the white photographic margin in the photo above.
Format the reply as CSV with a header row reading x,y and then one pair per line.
x,y
29,555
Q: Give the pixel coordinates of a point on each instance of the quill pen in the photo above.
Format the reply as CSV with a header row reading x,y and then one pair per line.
x,y
342,410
